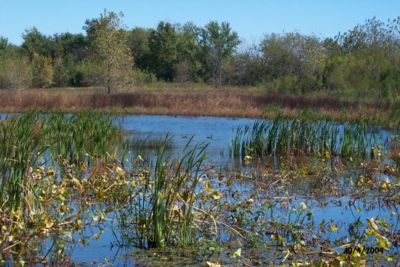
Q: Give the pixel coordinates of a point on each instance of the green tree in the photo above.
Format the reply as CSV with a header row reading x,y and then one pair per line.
x,y
365,60
164,51
293,62
189,63
110,50
219,42
3,43
279,55
70,45
69,51
138,41
245,68
36,42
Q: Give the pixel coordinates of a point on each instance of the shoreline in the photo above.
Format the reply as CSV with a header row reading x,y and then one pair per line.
x,y
222,103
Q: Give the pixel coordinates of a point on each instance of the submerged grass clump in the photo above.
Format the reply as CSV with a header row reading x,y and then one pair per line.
x,y
303,137
149,143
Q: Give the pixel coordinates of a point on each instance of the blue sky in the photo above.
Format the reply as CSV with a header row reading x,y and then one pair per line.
x,y
250,18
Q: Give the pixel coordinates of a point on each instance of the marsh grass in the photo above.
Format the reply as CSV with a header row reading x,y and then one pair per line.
x,y
76,135
162,213
229,102
19,148
64,188
304,137
33,137
149,143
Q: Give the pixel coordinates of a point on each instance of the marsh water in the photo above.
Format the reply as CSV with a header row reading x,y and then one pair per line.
x,y
218,133
329,201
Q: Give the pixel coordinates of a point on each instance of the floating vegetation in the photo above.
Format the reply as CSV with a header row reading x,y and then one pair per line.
x,y
30,139
149,143
302,137
66,183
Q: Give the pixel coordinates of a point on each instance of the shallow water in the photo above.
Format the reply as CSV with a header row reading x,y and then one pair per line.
x,y
218,133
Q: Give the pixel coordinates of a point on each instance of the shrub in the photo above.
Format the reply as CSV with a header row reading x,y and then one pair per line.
x,y
143,77
42,70
15,72
390,82
88,73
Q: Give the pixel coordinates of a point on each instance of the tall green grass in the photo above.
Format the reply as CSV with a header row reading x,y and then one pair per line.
x,y
162,211
19,148
76,135
303,137
51,137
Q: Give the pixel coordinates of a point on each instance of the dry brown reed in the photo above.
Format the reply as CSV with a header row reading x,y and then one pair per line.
x,y
216,103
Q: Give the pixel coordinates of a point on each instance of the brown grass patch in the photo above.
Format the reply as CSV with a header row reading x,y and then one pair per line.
x,y
216,103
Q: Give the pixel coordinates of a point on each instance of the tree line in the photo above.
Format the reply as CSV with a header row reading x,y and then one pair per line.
x,y
362,61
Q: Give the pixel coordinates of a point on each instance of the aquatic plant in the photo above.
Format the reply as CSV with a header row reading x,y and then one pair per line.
x,y
19,149
76,135
33,137
303,137
142,145
394,150
60,204
55,196
162,209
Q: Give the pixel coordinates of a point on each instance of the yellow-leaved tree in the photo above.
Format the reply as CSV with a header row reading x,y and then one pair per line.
x,y
42,71
110,54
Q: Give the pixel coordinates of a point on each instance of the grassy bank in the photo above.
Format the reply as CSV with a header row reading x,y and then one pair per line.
x,y
194,100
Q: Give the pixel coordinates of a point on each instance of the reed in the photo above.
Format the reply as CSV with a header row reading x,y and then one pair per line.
x,y
303,137
162,210
33,137
230,102
150,143
19,148
72,136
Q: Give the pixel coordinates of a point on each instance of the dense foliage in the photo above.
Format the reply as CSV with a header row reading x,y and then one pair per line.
x,y
363,61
